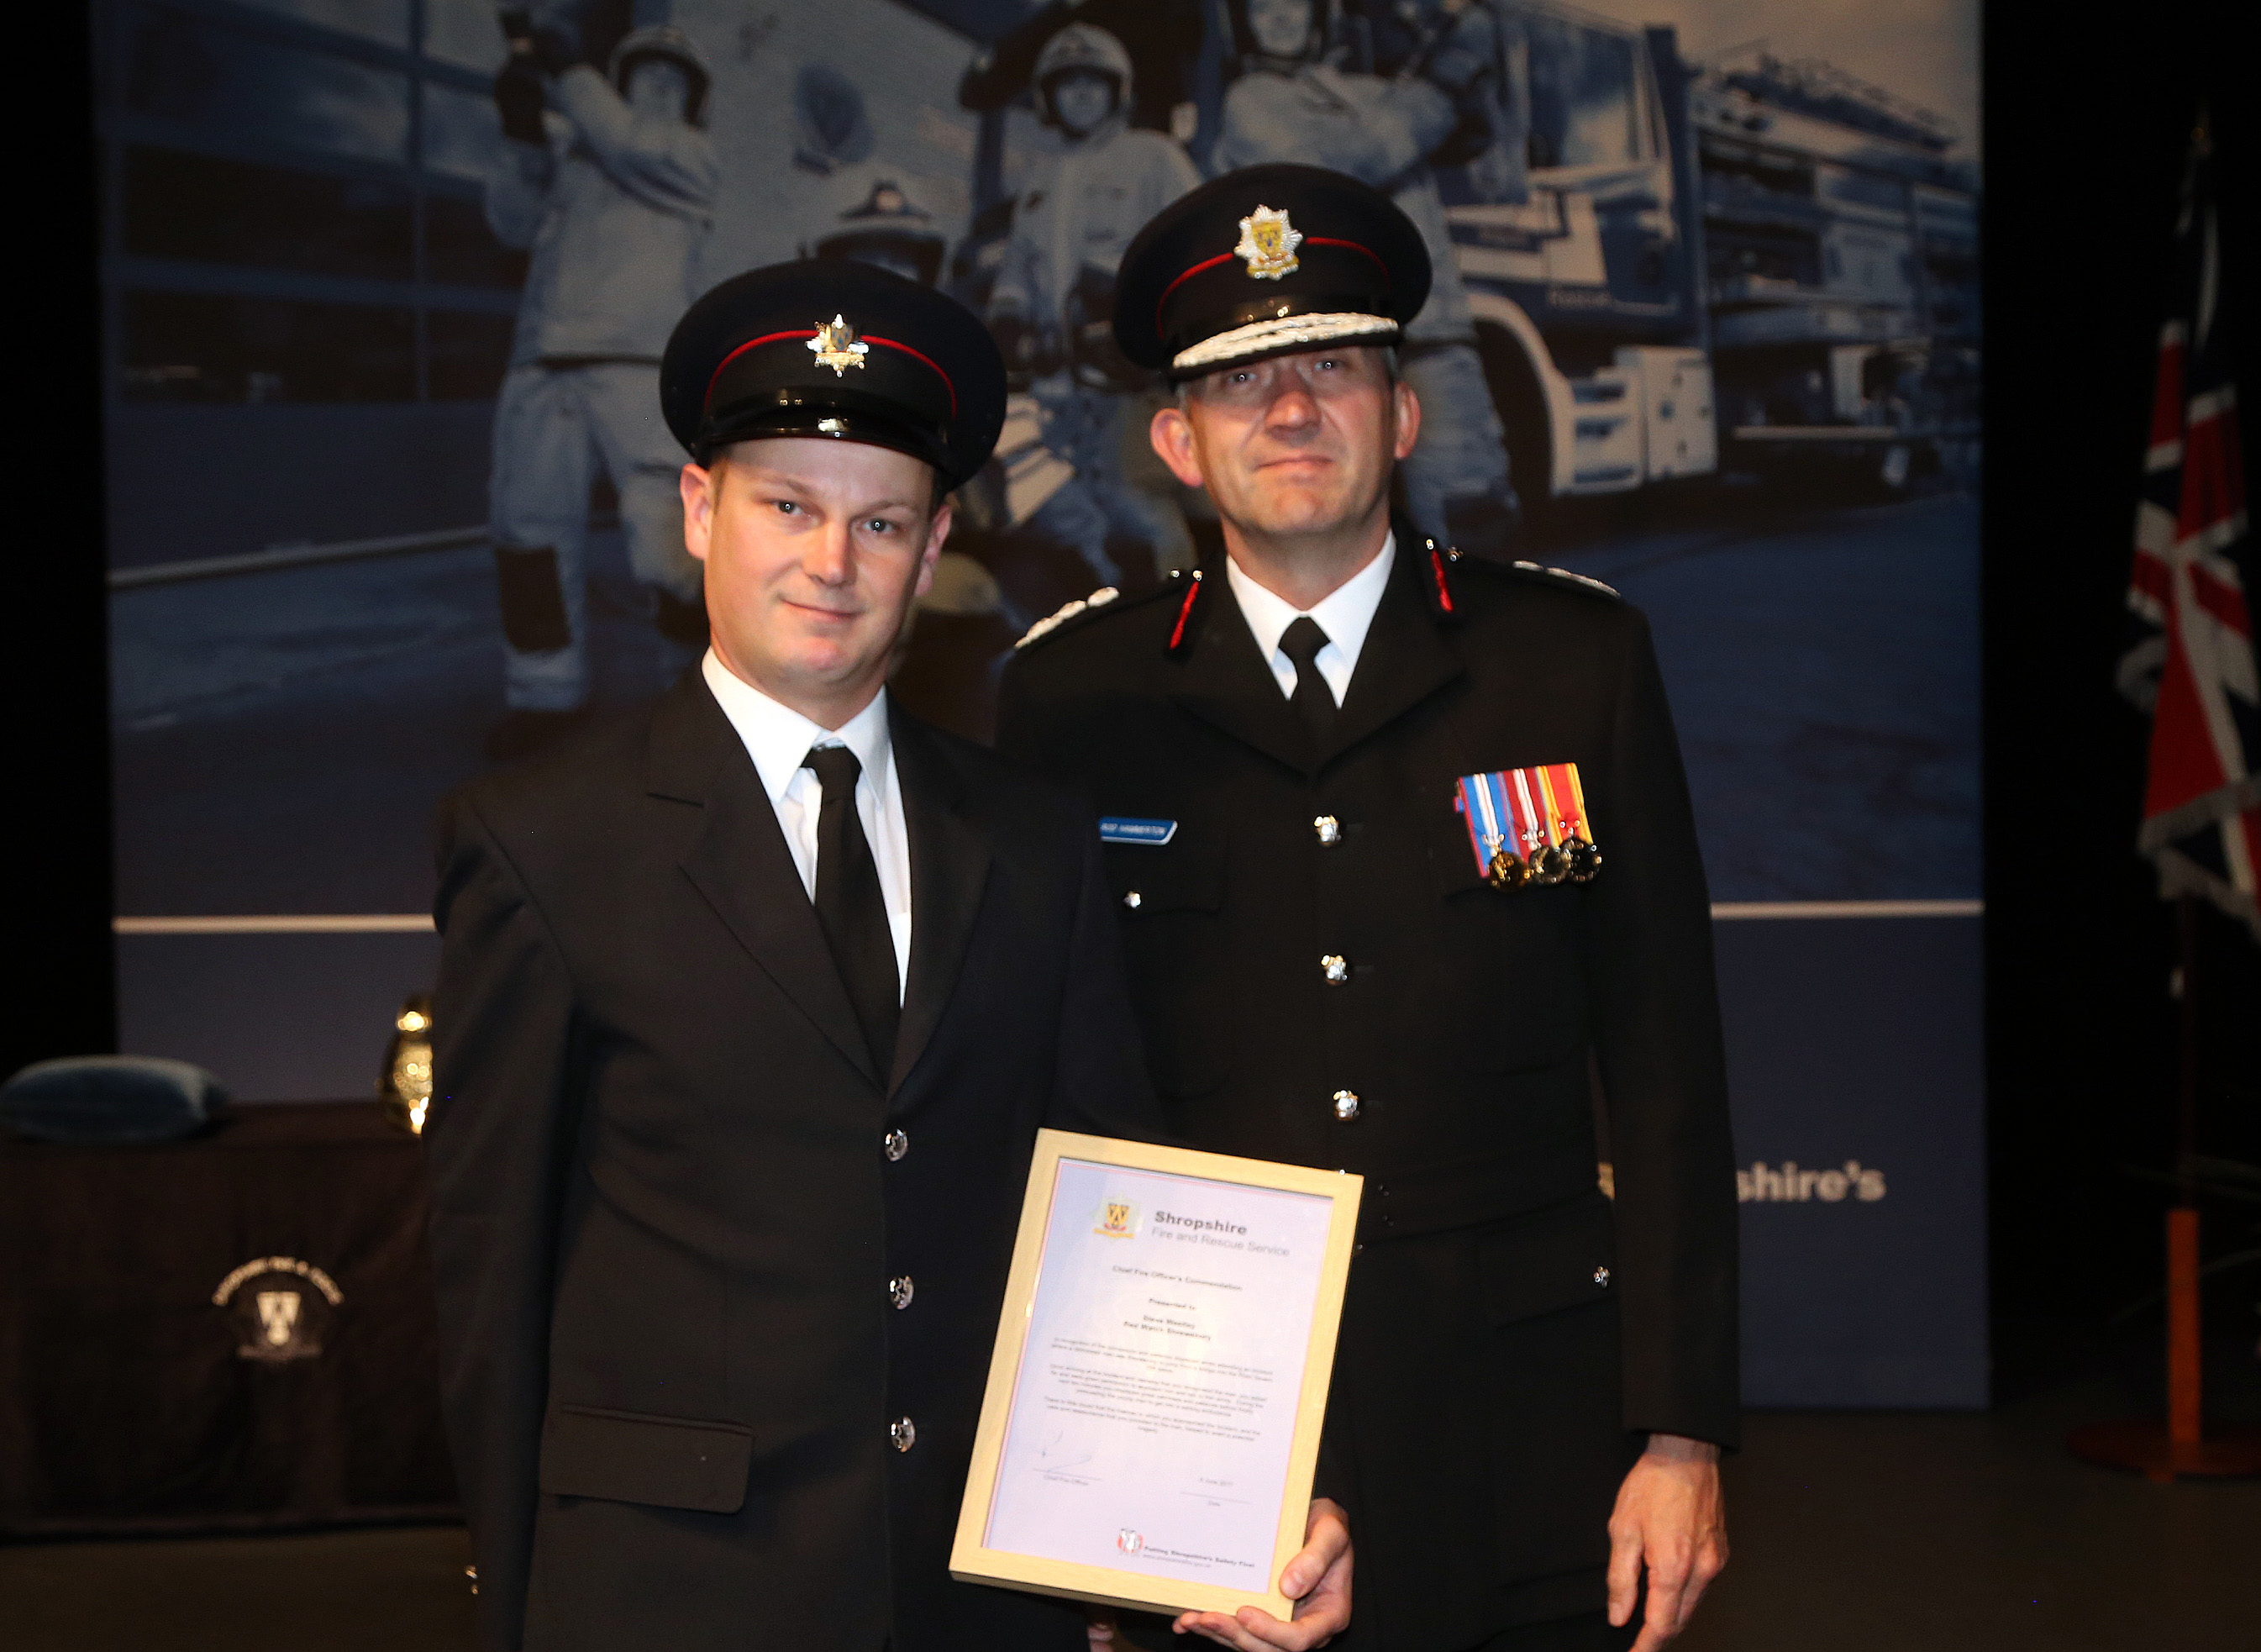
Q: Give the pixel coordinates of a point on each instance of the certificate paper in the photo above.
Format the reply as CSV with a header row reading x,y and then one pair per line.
x,y
1152,1419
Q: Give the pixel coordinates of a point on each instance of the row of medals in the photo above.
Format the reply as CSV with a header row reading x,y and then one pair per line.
x,y
1572,861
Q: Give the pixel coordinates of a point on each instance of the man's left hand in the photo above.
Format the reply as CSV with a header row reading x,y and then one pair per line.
x,y
1318,1580
1670,1520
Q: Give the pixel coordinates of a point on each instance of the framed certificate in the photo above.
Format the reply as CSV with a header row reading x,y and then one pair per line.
x,y
1152,1420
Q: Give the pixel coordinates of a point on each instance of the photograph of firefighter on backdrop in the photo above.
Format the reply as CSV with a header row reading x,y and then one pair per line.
x,y
1295,102
1052,307
607,180
390,500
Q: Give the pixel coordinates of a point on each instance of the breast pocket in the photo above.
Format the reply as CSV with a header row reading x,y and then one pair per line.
x,y
1170,898
1514,952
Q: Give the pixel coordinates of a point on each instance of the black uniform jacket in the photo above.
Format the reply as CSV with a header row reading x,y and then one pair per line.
x,y
1508,1336
668,1197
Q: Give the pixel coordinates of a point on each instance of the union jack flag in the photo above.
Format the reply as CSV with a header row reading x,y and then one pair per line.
x,y
2193,670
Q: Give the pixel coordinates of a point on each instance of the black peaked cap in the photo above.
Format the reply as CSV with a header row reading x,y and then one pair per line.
x,y
908,368
1213,276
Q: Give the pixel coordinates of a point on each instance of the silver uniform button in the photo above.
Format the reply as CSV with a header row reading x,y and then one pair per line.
x,y
1346,1105
1336,968
1328,829
1132,900
900,1290
897,1144
904,1432
1602,1277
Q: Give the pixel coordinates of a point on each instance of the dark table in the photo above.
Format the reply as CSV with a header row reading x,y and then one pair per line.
x,y
232,1331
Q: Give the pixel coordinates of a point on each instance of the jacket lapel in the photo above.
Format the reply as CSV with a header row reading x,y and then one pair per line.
x,y
1406,657
949,865
739,861
1225,682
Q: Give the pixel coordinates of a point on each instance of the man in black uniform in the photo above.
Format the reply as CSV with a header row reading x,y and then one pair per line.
x,y
1404,857
749,1009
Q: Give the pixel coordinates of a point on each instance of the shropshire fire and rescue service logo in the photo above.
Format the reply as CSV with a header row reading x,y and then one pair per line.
x,y
280,1307
1129,1541
1119,1218
836,346
1268,242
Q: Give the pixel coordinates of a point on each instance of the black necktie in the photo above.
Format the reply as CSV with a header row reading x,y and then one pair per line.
x,y
849,907
1313,700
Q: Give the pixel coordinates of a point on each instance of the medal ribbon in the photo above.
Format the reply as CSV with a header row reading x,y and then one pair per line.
x,y
1483,802
1566,802
1522,809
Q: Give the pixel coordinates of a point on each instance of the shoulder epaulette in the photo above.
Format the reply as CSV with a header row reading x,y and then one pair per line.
x,y
1107,597
1065,611
1563,576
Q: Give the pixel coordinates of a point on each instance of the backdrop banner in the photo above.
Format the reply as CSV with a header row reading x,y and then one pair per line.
x,y
389,500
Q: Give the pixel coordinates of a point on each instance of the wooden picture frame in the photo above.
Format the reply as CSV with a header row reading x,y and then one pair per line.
x,y
1168,1349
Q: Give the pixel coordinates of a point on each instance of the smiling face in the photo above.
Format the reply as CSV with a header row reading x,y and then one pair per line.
x,y
814,552
1296,448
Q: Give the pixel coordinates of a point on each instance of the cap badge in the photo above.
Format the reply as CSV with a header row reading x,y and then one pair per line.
x,y
836,346
1268,242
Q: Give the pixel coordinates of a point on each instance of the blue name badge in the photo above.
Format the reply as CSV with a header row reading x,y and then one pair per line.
x,y
1119,828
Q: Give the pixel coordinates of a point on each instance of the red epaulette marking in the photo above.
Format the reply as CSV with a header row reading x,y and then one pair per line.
x,y
1443,588
1185,611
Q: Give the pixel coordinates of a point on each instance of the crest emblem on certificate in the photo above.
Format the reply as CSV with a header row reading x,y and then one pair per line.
x,y
835,345
1129,1541
1268,242
1119,1218
1528,826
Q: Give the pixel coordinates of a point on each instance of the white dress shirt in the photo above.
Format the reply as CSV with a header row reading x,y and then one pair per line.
x,y
777,738
1345,613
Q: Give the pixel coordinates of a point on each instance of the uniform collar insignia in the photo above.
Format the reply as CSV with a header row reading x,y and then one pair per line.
x,y
836,346
1268,242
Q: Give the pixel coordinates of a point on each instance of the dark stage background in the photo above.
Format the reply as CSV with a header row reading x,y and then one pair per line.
x,y
2082,150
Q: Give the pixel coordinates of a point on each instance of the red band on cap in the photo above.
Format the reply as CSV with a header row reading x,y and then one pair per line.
x,y
707,402
1206,263
873,338
1226,258
1329,241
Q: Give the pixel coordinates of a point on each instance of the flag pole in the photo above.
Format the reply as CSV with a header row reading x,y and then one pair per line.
x,y
2189,520
2182,1446
2185,1340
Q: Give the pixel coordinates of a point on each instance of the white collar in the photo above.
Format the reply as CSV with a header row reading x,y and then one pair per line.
x,y
1345,613
777,738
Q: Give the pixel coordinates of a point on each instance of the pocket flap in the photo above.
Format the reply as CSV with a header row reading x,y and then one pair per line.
x,y
671,1462
1186,875
1558,1259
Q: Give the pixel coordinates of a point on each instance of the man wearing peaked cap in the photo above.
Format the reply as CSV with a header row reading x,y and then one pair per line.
x,y
776,353
1431,875
750,1007
1264,262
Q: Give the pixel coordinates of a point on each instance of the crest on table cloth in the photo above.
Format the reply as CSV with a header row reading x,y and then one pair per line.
x,y
1268,242
280,1307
